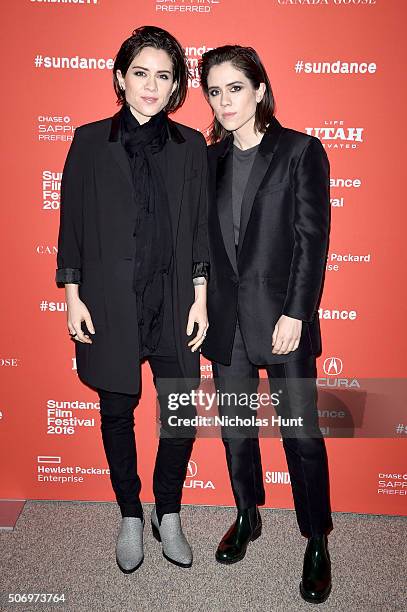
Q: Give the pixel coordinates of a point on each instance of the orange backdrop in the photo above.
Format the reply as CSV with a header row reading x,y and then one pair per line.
x,y
337,72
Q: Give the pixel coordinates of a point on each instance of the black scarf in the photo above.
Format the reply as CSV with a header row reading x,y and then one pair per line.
x,y
153,226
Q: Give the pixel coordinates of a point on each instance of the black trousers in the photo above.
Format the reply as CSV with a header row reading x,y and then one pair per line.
x,y
174,447
304,446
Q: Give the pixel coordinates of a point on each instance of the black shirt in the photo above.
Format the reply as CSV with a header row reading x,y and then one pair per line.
x,y
242,165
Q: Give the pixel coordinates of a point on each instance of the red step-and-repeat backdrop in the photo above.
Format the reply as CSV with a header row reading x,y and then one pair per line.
x,y
337,70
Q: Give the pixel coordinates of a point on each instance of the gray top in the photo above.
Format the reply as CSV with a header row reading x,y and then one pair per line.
x,y
242,165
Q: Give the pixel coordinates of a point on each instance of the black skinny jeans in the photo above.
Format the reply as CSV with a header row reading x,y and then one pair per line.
x,y
174,447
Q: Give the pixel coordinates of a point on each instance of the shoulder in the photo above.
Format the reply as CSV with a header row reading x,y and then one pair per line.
x,y
192,137
301,141
94,131
217,149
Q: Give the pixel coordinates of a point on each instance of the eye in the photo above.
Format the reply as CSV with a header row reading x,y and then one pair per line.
x,y
214,92
139,73
236,88
164,76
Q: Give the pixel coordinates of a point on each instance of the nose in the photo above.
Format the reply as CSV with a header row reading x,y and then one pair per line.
x,y
151,84
225,99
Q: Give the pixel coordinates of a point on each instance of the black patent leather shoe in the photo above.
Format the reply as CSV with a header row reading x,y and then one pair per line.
x,y
245,529
316,583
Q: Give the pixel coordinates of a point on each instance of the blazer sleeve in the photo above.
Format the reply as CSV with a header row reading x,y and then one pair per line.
x,y
200,245
311,228
69,258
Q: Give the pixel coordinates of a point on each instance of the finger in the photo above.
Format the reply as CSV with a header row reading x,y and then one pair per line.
x,y
283,346
290,346
80,336
197,344
200,333
71,329
296,343
277,344
190,325
274,338
89,324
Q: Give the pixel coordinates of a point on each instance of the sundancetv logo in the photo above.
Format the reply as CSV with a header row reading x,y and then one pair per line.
x,y
59,2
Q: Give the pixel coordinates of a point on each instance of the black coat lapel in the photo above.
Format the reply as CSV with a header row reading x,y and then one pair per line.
x,y
260,166
117,149
172,163
224,173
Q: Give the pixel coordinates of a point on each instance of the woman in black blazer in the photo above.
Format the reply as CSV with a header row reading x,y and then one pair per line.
x,y
268,235
132,254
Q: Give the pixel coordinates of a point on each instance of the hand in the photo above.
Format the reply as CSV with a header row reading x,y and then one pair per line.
x,y
286,335
78,312
197,314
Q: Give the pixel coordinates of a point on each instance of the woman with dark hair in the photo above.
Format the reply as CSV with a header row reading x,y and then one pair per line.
x,y
132,255
268,236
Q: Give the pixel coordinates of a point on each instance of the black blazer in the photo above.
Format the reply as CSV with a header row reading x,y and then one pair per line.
x,y
96,244
283,240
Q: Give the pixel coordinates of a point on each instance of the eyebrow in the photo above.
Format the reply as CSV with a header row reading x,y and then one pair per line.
x,y
228,85
148,70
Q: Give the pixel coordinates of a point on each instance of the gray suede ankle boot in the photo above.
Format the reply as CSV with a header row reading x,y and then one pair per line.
x,y
175,546
129,545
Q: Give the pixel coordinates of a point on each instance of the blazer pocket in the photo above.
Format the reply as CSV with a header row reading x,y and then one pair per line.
x,y
272,187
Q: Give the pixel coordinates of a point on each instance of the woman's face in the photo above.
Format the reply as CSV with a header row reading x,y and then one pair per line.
x,y
232,96
148,83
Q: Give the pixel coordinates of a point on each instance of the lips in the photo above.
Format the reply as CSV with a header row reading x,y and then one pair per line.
x,y
228,115
149,99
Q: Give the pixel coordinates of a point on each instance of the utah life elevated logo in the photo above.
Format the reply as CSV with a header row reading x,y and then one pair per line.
x,y
335,135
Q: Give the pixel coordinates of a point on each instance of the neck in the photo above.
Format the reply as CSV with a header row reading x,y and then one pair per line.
x,y
246,136
140,118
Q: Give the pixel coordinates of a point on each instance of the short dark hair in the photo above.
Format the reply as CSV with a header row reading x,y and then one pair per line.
x,y
247,61
151,36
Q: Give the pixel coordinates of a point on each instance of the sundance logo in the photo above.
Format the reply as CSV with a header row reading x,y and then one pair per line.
x,y
57,2
337,315
277,478
192,483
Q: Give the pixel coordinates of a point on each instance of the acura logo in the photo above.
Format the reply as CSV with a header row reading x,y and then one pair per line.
x,y
333,366
192,469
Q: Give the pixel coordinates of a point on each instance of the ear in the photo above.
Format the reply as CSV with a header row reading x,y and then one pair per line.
x,y
174,87
260,92
120,78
